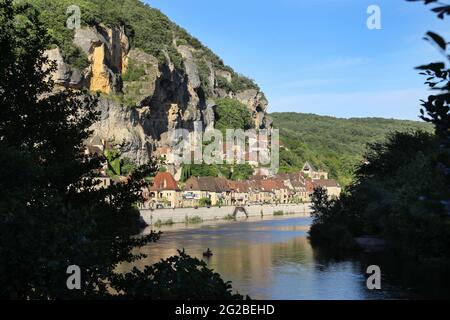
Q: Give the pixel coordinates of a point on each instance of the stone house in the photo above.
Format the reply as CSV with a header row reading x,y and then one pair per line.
x,y
164,191
254,192
265,191
300,192
213,188
165,154
281,191
282,188
298,183
332,186
240,192
310,171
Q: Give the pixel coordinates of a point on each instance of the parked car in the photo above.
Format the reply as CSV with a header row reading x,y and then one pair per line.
x,y
159,206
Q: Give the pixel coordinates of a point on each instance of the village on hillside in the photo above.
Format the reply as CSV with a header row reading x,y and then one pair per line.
x,y
164,191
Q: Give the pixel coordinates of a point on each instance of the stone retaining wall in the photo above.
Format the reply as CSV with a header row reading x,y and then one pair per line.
x,y
181,215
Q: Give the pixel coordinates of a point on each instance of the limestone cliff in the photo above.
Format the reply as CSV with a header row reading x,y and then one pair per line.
x,y
142,98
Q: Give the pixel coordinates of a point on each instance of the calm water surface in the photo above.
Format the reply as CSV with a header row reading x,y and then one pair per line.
x,y
272,258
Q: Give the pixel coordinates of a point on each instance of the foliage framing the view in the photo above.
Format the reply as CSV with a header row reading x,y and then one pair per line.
x,y
402,191
52,212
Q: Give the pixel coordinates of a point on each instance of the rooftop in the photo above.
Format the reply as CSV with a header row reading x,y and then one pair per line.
x,y
164,181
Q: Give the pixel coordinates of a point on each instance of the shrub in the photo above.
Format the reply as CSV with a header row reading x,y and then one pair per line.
x,y
336,236
177,278
114,162
203,202
204,74
390,202
127,166
160,223
231,114
134,72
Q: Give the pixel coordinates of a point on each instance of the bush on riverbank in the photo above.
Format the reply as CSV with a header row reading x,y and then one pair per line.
x,y
160,223
194,220
331,227
402,191
397,196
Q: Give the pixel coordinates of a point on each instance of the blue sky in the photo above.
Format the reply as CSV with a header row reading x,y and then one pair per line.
x,y
318,56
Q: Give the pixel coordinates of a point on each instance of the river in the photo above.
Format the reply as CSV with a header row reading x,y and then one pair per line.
x,y
271,258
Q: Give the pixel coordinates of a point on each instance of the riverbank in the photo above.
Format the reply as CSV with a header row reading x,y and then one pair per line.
x,y
183,215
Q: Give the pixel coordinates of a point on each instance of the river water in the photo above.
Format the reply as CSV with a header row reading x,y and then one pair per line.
x,y
271,258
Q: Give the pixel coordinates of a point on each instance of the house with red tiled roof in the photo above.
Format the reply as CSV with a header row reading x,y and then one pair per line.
x,y
280,188
263,191
240,192
297,184
164,192
310,186
253,191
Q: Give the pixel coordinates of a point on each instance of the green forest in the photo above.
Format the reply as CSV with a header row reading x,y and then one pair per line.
x,y
333,144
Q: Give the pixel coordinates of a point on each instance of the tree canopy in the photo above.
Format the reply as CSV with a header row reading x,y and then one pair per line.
x,y
231,114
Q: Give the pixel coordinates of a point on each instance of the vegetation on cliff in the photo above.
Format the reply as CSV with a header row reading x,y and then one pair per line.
x,y
236,172
402,191
231,114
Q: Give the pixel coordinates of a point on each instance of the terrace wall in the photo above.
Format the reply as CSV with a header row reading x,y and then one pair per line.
x,y
180,215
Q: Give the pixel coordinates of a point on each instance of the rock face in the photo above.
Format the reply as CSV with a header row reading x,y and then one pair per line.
x,y
124,127
191,67
224,74
144,99
141,87
257,104
63,74
107,49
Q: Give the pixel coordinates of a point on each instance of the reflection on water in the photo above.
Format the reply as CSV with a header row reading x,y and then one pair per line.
x,y
271,259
